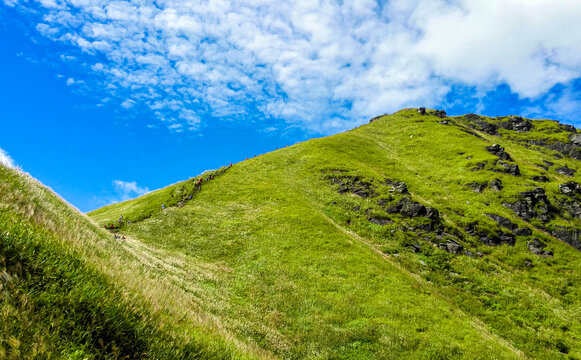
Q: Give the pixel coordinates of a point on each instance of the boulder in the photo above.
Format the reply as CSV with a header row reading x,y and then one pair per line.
x,y
570,188
573,208
400,187
432,214
443,122
422,111
537,247
497,150
478,187
568,128
575,139
565,170
496,185
451,246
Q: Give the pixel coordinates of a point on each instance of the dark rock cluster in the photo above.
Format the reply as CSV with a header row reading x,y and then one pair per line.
x,y
451,246
565,170
490,239
497,150
516,123
496,185
537,247
509,168
354,185
507,224
540,178
487,127
570,188
534,204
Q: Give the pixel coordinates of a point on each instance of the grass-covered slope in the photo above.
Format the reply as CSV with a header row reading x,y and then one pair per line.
x,y
404,238
68,291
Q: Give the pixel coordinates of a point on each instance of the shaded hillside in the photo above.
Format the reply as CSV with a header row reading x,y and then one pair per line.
x,y
416,236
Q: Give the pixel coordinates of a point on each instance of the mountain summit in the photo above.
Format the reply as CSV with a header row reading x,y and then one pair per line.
x,y
417,235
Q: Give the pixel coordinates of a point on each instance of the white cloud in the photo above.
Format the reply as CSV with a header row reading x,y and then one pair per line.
x,y
128,189
5,159
324,65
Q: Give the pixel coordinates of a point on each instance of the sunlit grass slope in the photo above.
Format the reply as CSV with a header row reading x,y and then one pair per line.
x,y
68,291
273,255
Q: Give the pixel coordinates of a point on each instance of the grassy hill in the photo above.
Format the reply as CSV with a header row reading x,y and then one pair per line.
x,y
410,237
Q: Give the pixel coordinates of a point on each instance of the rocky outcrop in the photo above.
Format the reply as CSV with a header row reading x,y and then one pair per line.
x,y
497,150
440,113
534,204
398,187
570,188
516,123
422,111
408,207
451,246
502,221
509,168
496,185
486,127
478,187
501,238
472,117
565,170
355,185
569,235
537,247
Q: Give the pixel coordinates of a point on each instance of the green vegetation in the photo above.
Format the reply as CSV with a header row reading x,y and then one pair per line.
x,y
311,252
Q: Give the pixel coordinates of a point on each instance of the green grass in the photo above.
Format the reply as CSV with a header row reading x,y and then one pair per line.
x,y
270,260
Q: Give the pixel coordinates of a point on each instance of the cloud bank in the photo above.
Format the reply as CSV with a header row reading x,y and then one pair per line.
x,y
5,159
321,65
128,189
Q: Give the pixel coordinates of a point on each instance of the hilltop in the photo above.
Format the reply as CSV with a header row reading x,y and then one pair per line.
x,y
417,235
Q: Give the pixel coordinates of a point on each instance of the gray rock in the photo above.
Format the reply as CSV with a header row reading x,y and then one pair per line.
x,y
422,111
523,232
534,204
496,185
400,187
568,235
576,139
502,221
537,247
570,188
497,150
411,208
451,246
565,170
516,123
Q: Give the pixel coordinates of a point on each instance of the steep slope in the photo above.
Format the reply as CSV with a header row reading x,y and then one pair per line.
x,y
67,290
411,237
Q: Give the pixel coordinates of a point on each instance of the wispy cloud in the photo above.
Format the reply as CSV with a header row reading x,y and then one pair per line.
x,y
128,189
323,65
5,159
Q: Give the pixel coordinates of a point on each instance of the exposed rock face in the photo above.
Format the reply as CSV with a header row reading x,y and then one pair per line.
x,y
472,117
509,168
478,187
537,247
440,113
570,188
496,185
571,150
575,139
355,185
500,239
422,111
451,246
502,221
565,171
487,127
568,235
410,208
400,187
516,123
534,204
497,150
573,208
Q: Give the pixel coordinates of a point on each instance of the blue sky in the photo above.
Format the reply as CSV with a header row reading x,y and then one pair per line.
x,y
105,100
